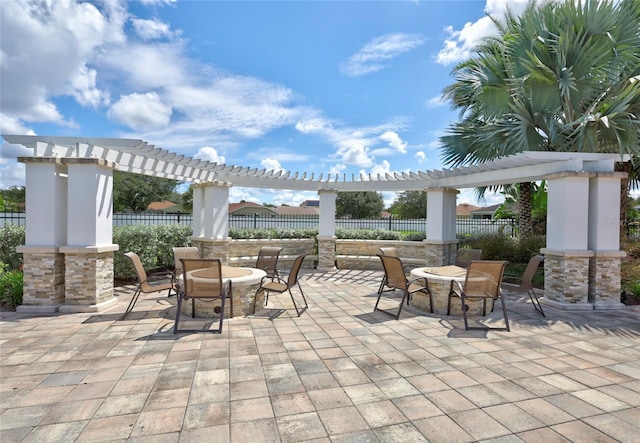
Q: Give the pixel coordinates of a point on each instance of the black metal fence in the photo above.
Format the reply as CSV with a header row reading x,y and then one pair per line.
x,y
464,226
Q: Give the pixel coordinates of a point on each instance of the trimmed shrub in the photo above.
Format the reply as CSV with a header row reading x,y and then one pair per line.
x,y
11,284
152,243
11,236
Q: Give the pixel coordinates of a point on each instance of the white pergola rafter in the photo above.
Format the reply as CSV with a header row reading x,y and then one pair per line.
x,y
134,155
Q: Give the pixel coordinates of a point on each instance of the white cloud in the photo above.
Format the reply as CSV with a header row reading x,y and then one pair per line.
x,y
210,154
460,43
381,169
337,168
142,112
372,56
65,35
435,102
394,140
356,155
151,29
421,156
272,164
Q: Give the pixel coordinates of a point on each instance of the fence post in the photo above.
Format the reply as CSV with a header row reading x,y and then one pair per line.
x,y
390,217
255,220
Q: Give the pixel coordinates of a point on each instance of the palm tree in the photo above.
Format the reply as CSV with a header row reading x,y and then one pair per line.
x,y
563,76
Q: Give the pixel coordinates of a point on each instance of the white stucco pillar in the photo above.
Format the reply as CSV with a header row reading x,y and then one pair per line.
x,y
441,241
198,210
211,220
46,231
89,249
567,249
327,230
604,240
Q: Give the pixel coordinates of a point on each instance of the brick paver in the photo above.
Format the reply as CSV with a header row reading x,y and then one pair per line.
x,y
338,373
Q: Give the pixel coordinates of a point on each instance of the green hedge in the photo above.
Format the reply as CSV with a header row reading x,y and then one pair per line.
x,y
11,236
152,243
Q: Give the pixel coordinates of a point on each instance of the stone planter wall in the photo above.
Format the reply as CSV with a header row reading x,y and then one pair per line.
x,y
245,252
362,254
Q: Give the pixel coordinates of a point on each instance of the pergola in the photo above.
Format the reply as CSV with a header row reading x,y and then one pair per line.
x,y
68,251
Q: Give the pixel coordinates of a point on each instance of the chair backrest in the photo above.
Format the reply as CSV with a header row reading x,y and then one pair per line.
x,y
484,277
292,278
390,251
531,269
141,274
464,256
394,271
268,259
202,286
183,252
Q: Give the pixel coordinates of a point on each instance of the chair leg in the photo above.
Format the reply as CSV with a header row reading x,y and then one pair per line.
x,y
535,302
404,299
382,284
230,299
504,311
222,299
464,312
133,301
175,326
193,308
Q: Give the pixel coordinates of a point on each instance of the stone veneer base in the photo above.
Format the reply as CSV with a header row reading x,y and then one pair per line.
x,y
37,309
609,306
567,306
98,307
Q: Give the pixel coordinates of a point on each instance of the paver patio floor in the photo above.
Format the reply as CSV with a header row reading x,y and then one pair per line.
x,y
338,373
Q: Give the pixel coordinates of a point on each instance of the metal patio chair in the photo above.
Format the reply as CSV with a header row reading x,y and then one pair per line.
x,y
482,283
279,285
396,278
147,283
524,283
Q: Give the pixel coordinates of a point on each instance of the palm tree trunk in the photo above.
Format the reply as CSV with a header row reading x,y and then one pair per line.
x,y
525,225
624,198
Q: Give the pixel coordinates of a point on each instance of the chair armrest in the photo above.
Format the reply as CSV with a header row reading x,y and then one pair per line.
x,y
157,276
424,279
512,279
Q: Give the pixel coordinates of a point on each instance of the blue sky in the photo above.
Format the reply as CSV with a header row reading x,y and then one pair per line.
x,y
345,87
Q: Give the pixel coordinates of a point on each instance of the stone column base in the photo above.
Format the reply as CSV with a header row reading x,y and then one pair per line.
x,y
326,254
43,279
88,278
440,253
566,306
566,279
604,279
213,248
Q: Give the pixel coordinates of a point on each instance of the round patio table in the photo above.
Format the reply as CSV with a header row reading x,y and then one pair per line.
x,y
244,283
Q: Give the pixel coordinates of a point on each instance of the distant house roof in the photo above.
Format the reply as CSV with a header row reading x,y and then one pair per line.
x,y
487,209
308,203
235,206
164,206
464,209
297,210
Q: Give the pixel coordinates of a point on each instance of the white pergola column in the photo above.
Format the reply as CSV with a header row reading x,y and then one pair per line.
x,y
211,219
604,240
327,230
566,269
441,241
46,230
89,249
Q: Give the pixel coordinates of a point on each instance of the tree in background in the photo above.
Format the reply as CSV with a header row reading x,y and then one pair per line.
x,y
11,198
563,76
410,204
361,204
134,192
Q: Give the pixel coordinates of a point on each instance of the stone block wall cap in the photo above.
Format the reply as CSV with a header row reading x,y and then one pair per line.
x,y
567,253
44,160
428,241
212,183
439,188
612,254
328,237
93,249
569,174
28,249
612,174
211,240
89,161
